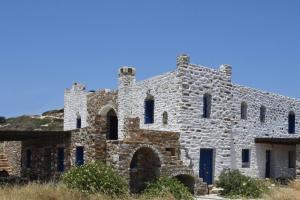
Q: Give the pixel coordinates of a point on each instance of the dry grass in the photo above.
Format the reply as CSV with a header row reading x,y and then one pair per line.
x,y
53,192
292,192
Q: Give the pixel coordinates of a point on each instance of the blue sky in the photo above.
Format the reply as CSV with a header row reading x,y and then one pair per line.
x,y
47,45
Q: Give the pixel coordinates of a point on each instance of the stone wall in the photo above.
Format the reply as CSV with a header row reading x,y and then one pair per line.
x,y
99,103
298,161
75,106
196,131
275,125
165,145
12,150
44,167
165,91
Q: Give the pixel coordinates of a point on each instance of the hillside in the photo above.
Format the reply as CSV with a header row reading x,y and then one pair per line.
x,y
50,120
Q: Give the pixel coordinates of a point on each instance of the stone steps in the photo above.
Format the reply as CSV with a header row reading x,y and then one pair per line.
x,y
4,164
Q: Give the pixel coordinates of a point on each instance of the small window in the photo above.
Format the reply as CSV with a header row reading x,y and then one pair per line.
x,y
172,151
149,110
244,110
165,118
61,159
79,156
263,114
292,120
246,158
206,105
292,159
28,158
78,122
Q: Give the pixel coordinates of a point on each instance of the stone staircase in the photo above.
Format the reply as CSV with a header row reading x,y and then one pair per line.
x,y
4,165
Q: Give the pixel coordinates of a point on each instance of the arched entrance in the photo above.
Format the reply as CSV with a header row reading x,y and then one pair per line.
x,y
144,168
112,125
188,181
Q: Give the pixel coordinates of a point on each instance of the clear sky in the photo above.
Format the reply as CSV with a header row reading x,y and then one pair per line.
x,y
47,45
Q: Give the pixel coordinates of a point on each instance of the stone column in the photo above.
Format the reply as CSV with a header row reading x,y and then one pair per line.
x,y
298,161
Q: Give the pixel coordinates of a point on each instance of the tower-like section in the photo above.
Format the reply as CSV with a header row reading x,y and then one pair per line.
x,y
125,97
75,106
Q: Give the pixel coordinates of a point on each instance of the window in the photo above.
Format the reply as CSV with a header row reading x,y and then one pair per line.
x,y
165,118
28,158
149,110
61,159
262,114
79,156
244,108
292,159
292,119
112,125
78,122
245,158
206,106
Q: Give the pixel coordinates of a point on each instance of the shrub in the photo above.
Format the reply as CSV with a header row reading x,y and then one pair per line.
x,y
234,184
166,186
96,178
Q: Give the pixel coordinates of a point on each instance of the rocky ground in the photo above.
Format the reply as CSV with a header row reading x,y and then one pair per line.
x,y
50,120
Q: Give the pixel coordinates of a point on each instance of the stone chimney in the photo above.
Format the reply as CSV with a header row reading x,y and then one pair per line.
x,y
183,60
126,76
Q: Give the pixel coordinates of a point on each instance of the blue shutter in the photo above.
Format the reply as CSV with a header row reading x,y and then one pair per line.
x,y
245,156
61,159
79,156
149,111
78,123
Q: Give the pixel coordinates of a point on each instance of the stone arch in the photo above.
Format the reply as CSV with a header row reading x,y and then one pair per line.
x,y
145,167
105,109
107,119
187,180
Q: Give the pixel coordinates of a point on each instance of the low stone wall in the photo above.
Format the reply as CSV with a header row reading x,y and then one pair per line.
x,y
44,158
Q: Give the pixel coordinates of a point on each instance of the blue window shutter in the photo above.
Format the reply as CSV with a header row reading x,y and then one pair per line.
x,y
149,111
245,155
78,123
79,156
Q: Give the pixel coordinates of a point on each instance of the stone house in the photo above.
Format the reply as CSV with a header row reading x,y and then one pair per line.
x,y
190,123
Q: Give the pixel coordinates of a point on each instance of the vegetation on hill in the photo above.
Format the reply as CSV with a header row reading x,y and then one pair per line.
x,y
50,121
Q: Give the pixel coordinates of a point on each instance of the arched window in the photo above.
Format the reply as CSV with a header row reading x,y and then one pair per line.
x,y
165,118
78,121
112,125
149,110
292,120
262,114
206,105
244,110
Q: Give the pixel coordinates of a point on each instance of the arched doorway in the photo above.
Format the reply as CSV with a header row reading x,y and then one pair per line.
x,y
188,181
112,125
144,168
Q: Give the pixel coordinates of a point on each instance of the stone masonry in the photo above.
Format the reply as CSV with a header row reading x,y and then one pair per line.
x,y
200,124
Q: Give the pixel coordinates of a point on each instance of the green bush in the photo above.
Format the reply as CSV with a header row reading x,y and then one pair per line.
x,y
96,178
235,184
166,186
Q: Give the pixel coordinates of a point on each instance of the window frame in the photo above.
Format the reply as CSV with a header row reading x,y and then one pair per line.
x,y
79,160
244,110
207,99
246,158
149,107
